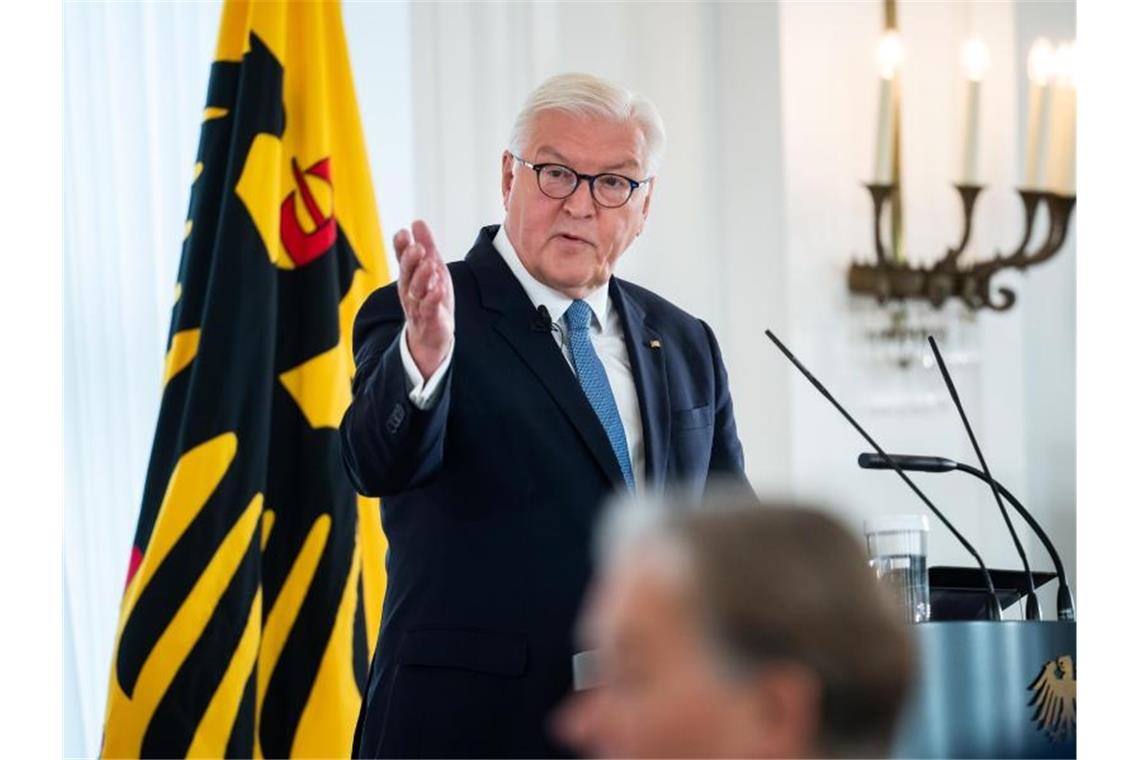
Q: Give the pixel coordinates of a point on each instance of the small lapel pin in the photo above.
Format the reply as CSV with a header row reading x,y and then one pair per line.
x,y
655,343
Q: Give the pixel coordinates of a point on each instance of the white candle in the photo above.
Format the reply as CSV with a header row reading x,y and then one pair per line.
x,y
1040,67
1061,169
975,61
890,55
970,151
884,135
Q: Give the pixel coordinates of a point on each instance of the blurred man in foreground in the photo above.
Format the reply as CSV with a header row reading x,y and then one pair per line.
x,y
736,631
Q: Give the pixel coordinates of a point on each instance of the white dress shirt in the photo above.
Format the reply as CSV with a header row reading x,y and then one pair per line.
x,y
606,335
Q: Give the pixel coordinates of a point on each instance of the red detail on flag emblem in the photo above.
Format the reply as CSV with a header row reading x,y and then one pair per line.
x,y
136,560
304,247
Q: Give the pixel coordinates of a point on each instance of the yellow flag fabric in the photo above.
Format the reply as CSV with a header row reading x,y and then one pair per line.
x,y
255,582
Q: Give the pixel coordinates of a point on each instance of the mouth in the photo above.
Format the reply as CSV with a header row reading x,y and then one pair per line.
x,y
566,237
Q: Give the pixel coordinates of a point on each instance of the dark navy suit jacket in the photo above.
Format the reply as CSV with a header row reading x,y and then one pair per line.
x,y
489,501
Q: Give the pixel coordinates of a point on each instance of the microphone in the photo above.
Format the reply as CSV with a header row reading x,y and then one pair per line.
x,y
1032,608
542,321
871,461
993,607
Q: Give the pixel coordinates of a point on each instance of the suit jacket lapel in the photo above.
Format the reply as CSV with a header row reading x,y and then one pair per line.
x,y
647,358
501,292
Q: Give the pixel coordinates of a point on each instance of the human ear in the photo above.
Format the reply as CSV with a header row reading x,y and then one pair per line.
x,y
508,178
787,699
645,204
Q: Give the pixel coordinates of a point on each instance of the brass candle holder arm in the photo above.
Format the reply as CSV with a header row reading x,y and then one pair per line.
x,y
888,279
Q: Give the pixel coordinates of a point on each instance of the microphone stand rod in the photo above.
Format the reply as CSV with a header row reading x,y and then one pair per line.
x,y
995,605
1032,607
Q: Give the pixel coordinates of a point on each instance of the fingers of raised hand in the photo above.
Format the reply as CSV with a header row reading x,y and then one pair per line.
x,y
427,287
423,276
424,237
410,260
400,242
424,282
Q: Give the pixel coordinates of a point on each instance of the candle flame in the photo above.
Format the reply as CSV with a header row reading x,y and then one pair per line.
x,y
890,54
975,58
1065,64
1041,62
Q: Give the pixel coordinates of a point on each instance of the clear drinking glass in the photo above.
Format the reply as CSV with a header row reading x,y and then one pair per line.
x,y
896,545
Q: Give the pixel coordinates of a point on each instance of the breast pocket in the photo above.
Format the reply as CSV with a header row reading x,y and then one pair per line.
x,y
698,417
690,447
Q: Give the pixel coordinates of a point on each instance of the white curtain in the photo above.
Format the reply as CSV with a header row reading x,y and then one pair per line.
x,y
134,83
135,77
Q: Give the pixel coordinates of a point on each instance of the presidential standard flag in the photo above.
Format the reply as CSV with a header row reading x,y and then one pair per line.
x,y
256,578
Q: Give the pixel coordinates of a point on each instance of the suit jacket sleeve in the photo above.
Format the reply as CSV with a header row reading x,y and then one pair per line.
x,y
388,444
727,454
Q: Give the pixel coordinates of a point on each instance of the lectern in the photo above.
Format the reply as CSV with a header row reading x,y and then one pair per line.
x,y
992,689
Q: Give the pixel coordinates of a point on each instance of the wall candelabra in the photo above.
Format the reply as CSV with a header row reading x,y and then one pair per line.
x,y
889,278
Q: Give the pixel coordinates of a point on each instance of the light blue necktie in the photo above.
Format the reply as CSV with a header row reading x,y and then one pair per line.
x,y
592,378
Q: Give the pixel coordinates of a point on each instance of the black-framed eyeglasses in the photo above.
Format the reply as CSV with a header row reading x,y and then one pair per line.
x,y
558,181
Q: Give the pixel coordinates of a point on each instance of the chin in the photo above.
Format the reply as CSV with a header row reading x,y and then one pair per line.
x,y
573,280
570,273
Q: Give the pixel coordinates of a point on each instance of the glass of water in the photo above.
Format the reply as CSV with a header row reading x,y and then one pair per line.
x,y
896,545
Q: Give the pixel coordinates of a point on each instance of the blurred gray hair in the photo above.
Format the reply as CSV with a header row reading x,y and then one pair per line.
x,y
588,95
779,582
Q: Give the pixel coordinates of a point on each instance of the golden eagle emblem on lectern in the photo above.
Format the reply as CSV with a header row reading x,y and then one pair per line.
x,y
1055,697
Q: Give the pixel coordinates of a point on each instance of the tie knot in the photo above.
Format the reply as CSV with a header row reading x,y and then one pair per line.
x,y
578,315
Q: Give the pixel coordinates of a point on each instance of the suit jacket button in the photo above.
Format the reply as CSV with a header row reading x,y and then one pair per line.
x,y
395,418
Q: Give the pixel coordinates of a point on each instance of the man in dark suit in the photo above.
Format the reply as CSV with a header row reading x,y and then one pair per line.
x,y
497,402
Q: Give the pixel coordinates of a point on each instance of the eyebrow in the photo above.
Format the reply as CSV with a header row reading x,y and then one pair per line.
x,y
629,162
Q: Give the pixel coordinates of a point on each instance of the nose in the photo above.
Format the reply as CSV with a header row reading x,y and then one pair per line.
x,y
580,203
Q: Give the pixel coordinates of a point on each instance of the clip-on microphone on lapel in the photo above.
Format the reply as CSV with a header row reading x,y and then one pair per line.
x,y
543,323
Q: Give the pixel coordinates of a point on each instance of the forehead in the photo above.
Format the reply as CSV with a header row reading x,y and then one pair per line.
x,y
641,599
588,143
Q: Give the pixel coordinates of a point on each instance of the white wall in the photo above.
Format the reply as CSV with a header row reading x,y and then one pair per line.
x,y
1023,363
1050,346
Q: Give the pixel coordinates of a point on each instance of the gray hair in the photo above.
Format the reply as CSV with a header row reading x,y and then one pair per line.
x,y
780,581
588,95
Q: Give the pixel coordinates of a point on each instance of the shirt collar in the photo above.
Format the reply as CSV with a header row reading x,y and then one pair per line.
x,y
541,294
